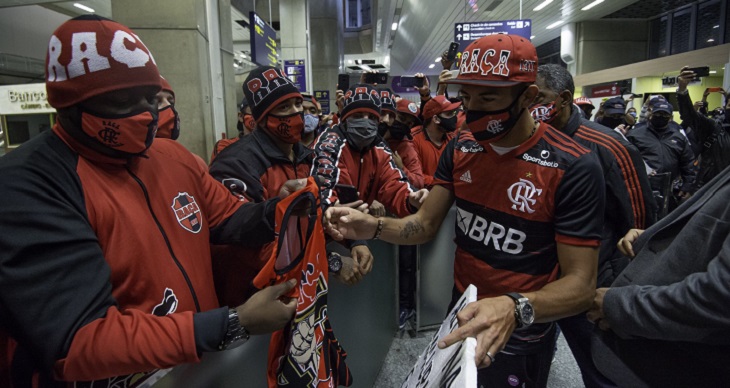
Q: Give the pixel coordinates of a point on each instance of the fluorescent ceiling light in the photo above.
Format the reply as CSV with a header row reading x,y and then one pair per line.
x,y
591,5
438,60
394,26
717,26
242,55
710,40
85,8
349,61
559,22
532,37
543,5
366,68
713,71
431,66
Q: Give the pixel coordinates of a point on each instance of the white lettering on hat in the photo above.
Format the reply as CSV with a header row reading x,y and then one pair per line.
x,y
56,71
133,58
528,66
472,65
274,79
83,48
502,68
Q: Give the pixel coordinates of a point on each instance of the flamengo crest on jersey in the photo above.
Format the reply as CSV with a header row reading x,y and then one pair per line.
x,y
522,195
187,212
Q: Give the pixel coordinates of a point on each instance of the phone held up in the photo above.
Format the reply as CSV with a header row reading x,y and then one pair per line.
x,y
343,81
453,49
408,81
376,78
346,193
703,71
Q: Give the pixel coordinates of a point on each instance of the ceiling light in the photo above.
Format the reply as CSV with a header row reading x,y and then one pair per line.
x,y
431,66
394,26
235,65
349,61
438,60
710,40
532,37
85,8
366,67
713,71
242,55
559,22
543,5
717,26
591,5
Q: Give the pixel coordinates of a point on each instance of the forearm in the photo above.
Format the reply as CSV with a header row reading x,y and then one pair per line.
x,y
567,296
411,230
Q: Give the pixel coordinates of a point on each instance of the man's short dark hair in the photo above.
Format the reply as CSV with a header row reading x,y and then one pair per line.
x,y
556,77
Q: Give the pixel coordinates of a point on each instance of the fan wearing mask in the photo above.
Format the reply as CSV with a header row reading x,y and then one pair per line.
x,y
312,113
396,121
245,126
713,135
256,166
352,153
440,117
529,212
629,200
664,147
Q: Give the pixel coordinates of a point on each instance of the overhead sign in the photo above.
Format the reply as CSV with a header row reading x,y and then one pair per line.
x,y
264,50
323,98
465,33
671,82
452,367
23,99
606,90
297,74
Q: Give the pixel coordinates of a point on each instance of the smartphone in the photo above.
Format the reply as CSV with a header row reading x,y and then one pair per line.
x,y
640,95
407,81
703,71
343,82
347,193
714,90
376,78
453,49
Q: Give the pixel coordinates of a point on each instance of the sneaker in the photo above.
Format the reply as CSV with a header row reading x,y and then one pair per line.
x,y
405,315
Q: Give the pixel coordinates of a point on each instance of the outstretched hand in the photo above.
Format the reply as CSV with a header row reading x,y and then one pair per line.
x,y
347,223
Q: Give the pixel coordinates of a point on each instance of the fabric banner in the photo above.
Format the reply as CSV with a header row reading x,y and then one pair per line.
x,y
450,367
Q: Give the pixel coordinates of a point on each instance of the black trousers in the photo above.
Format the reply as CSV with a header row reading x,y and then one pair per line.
x,y
407,276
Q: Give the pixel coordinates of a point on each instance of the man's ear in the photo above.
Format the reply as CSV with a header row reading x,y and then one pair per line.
x,y
529,95
566,99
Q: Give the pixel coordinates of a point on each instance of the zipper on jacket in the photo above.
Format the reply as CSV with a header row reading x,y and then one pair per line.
x,y
167,240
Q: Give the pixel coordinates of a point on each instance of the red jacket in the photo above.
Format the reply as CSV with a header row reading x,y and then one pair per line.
x,y
111,271
371,171
411,162
428,152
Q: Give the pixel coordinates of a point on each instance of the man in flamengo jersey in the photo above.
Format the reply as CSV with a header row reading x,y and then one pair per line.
x,y
529,208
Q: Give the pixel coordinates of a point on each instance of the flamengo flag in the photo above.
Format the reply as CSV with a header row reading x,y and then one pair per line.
x,y
450,367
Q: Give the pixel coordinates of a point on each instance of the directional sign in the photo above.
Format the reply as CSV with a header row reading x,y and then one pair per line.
x,y
323,98
295,71
264,50
465,33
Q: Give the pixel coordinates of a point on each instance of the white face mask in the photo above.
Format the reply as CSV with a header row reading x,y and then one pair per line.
x,y
361,132
311,122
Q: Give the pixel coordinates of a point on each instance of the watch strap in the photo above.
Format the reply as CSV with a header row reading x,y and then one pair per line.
x,y
236,334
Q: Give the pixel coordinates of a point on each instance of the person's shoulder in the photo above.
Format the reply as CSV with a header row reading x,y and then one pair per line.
x,y
464,142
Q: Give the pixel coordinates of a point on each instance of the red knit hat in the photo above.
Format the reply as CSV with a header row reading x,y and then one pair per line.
x,y
166,86
90,55
361,98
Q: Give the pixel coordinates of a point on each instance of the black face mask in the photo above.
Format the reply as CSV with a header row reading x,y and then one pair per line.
x,y
448,125
659,122
612,122
382,129
399,130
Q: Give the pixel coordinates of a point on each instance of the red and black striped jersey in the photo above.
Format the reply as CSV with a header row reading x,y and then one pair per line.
x,y
513,208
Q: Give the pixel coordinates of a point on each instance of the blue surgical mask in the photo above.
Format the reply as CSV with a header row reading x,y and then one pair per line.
x,y
310,123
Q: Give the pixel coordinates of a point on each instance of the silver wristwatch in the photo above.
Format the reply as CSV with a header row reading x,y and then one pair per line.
x,y
236,334
524,313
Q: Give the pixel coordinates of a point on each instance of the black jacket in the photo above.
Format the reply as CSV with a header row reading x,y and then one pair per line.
x,y
629,200
713,136
666,151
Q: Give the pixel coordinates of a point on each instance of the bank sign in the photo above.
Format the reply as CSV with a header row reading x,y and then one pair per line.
x,y
24,99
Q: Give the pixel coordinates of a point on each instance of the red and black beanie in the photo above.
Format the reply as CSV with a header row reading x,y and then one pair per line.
x,y
166,86
265,88
361,98
387,101
91,55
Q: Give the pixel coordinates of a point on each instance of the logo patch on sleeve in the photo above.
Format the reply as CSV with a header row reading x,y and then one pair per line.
x,y
187,212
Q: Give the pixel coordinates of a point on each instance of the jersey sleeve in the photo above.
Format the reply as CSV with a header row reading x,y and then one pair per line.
x,y
327,166
444,175
580,202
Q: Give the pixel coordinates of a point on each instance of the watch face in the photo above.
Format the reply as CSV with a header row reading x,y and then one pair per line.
x,y
528,314
335,264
